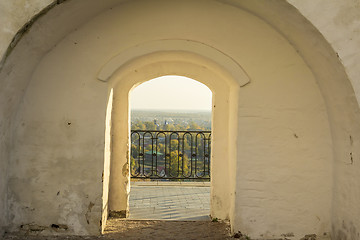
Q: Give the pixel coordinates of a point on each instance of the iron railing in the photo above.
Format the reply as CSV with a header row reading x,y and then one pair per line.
x,y
170,154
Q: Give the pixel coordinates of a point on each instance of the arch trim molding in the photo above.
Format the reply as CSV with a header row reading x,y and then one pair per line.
x,y
224,60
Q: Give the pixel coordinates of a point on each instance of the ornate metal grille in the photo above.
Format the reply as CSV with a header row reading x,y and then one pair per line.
x,y
170,154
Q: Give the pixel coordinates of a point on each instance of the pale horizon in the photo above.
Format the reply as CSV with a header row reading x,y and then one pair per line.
x,y
171,93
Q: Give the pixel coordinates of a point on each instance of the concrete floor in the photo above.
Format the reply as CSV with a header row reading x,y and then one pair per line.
x,y
178,201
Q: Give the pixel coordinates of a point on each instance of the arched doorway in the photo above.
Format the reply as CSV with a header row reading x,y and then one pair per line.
x,y
223,87
170,152
280,119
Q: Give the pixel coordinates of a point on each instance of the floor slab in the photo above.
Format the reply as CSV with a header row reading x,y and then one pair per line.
x,y
170,201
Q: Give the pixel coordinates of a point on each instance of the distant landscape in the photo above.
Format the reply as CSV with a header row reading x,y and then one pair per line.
x,y
170,120
167,155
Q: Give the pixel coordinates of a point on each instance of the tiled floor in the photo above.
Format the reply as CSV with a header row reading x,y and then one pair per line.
x,y
170,201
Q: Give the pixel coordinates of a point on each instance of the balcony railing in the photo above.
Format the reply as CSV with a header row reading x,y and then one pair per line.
x,y
170,154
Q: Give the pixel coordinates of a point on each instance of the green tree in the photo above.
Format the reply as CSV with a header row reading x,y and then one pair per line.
x,y
150,126
169,127
186,166
174,165
138,125
193,126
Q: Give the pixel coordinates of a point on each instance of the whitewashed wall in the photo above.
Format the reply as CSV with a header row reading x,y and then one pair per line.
x,y
339,22
281,118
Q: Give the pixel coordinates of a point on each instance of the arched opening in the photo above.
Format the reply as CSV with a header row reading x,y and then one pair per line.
x,y
170,152
278,124
223,149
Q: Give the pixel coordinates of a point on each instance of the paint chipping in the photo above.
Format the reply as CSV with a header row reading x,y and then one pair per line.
x,y
309,237
290,234
32,228
125,170
87,214
59,227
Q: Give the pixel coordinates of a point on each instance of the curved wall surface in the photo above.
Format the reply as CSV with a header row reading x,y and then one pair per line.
x,y
297,122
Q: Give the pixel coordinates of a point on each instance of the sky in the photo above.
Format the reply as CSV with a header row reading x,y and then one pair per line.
x,y
171,93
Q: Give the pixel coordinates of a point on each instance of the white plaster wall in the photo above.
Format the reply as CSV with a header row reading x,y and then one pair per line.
x,y
14,74
339,22
13,16
280,174
11,20
337,97
58,155
282,93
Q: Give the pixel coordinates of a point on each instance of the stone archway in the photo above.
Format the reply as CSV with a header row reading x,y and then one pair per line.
x,y
225,90
297,114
